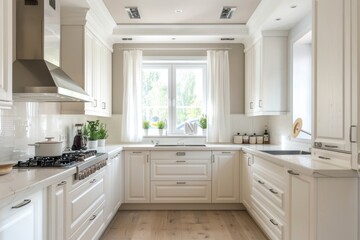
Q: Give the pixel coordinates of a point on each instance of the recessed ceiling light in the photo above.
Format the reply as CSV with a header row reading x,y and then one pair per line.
x,y
293,6
173,38
133,12
278,19
178,11
227,12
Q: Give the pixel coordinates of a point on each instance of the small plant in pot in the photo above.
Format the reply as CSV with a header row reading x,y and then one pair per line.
x,y
102,135
93,128
161,125
203,123
146,126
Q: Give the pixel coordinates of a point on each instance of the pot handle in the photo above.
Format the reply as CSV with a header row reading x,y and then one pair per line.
x,y
49,138
34,145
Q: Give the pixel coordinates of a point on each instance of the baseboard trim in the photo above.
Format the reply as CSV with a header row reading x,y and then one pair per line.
x,y
182,206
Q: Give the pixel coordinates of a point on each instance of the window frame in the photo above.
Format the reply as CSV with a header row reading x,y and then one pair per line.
x,y
172,64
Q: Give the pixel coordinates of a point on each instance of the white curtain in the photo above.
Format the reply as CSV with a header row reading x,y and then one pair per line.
x,y
218,97
132,114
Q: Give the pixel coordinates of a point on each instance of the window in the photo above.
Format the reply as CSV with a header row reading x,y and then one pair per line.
x,y
302,76
173,92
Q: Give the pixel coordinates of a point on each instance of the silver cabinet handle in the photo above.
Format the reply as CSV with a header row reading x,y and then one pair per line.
x,y
261,182
260,103
95,103
62,183
249,161
93,181
213,158
351,128
225,152
147,158
103,105
330,146
293,173
273,191
182,161
180,154
23,203
274,222
180,182
92,217
251,105
325,158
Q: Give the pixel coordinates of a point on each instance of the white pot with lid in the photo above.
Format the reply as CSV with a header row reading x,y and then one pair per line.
x,y
49,148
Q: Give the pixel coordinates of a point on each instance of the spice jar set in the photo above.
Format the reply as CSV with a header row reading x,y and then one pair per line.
x,y
252,139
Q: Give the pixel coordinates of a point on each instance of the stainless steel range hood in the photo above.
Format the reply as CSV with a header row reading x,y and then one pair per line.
x,y
37,76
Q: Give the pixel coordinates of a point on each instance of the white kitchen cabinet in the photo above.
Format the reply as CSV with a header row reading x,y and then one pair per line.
x,y
137,177
226,177
246,179
24,219
57,195
266,77
333,76
321,208
181,176
84,199
112,186
6,53
89,62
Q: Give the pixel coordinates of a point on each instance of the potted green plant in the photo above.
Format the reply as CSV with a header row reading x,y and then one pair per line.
x,y
146,126
86,133
203,123
93,128
161,125
102,135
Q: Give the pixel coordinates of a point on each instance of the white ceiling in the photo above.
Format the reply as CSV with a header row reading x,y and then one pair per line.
x,y
199,21
193,11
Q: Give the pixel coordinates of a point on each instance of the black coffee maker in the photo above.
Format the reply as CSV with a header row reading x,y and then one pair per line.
x,y
79,140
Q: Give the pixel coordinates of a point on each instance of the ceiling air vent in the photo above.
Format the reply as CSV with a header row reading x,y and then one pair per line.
x,y
127,39
227,39
133,12
227,12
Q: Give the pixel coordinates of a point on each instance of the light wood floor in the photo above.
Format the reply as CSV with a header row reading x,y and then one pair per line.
x,y
183,225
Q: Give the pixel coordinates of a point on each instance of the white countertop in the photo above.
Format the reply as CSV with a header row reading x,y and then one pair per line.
x,y
20,182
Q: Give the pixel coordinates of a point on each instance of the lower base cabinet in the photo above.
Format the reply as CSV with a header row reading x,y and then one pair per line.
x,y
24,218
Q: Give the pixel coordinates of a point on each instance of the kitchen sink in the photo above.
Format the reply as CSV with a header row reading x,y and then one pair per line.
x,y
286,152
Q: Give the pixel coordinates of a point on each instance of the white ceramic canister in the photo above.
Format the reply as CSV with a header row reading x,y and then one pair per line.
x,y
260,139
238,139
252,139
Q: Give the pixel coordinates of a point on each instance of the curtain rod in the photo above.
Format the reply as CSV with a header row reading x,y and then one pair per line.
x,y
171,49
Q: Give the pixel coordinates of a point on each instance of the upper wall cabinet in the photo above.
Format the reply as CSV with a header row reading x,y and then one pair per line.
x,y
266,77
89,62
334,125
6,54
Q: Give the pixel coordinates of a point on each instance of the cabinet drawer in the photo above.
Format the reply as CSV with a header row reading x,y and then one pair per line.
x,y
174,155
181,191
273,173
93,226
84,199
269,223
272,193
180,170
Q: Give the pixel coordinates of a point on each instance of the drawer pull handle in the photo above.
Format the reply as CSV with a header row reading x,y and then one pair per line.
x,y
261,182
93,181
62,183
180,182
180,161
330,146
225,152
180,154
274,222
25,202
325,158
92,217
273,191
293,173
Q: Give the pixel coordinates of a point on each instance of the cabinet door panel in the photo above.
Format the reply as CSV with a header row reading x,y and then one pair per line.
x,y
332,79
226,177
